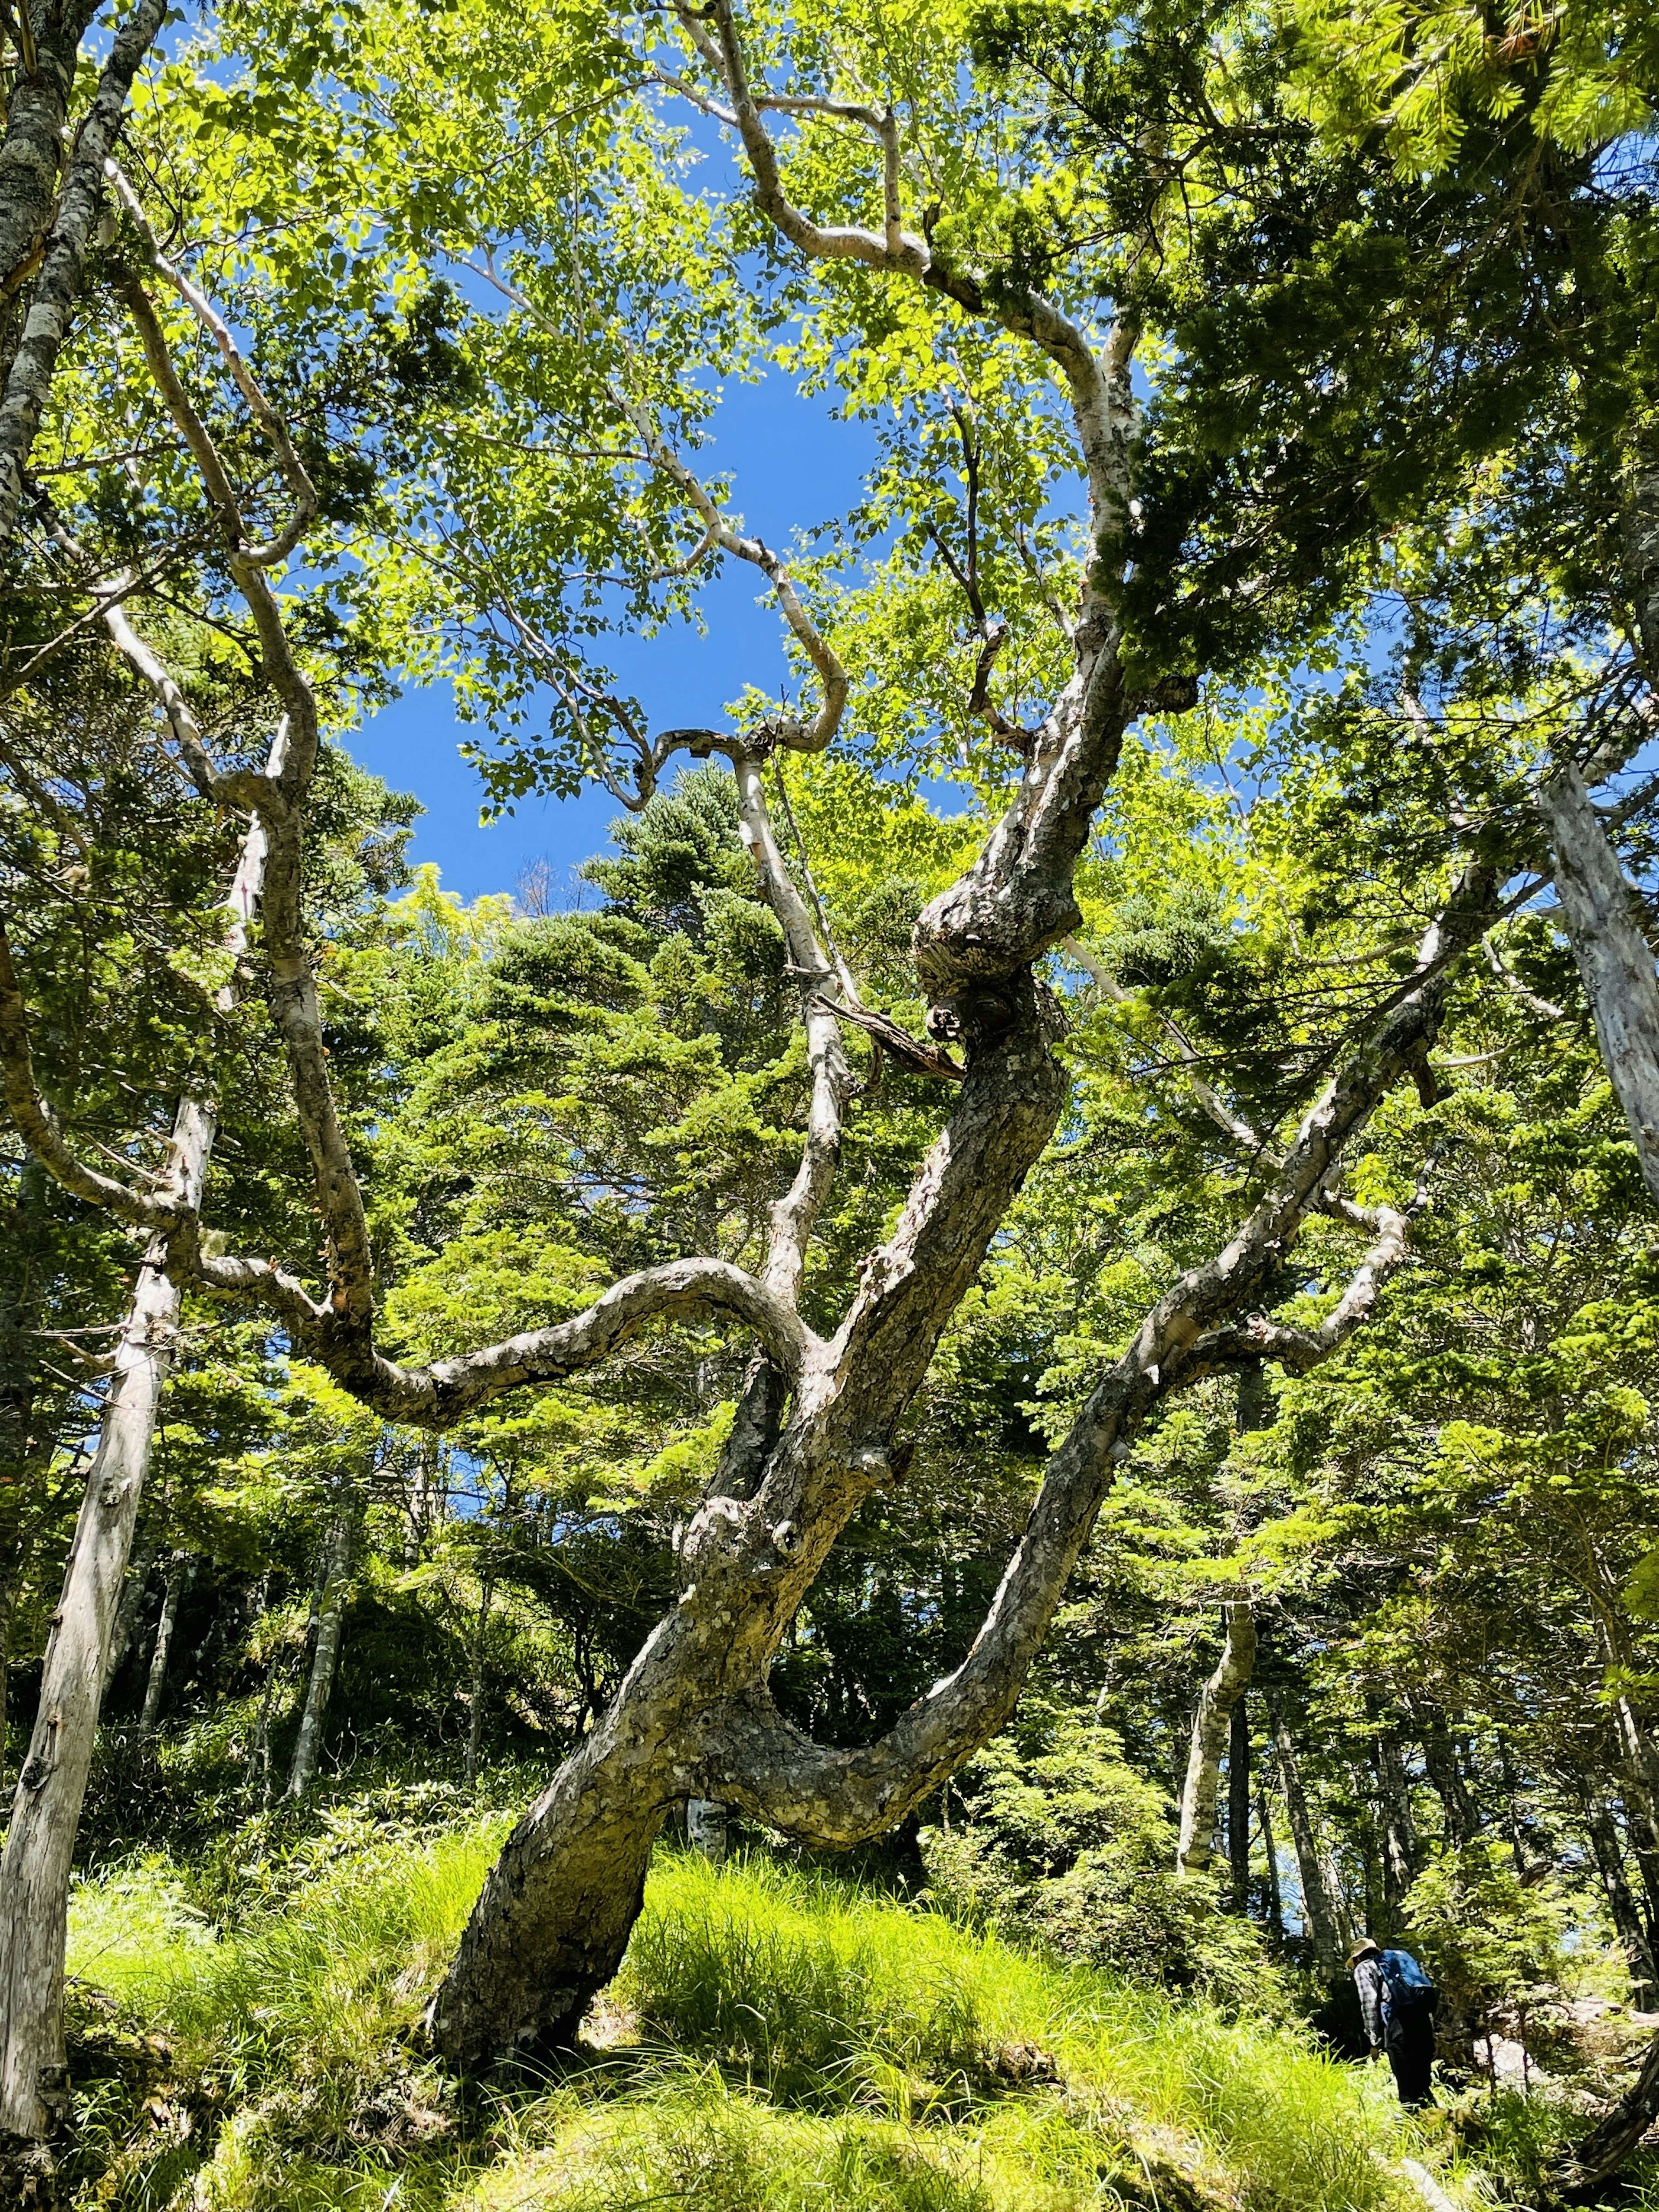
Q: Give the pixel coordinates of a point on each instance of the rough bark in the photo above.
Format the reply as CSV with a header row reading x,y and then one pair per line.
x,y
1211,1724
1238,1803
155,1683
339,1550
1614,962
1397,1831
1603,1835
1440,1763
1580,2176
62,249
706,1828
1318,1916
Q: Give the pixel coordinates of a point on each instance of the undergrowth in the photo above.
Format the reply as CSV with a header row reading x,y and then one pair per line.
x,y
777,2038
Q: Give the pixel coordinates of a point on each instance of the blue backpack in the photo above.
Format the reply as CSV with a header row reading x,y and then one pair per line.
x,y
1406,1987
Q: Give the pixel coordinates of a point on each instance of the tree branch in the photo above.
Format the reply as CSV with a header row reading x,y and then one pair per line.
x,y
760,1762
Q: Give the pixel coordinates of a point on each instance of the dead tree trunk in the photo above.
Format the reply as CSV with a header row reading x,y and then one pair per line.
x,y
1615,963
1238,1803
35,1870
1318,1916
339,1552
173,1592
1626,1918
1211,1724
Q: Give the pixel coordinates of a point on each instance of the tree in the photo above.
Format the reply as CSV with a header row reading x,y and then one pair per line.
x,y
960,295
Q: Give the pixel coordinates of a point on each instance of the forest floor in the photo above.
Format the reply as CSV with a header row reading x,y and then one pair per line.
x,y
780,2038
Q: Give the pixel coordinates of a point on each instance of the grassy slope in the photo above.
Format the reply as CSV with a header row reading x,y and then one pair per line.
x,y
777,2040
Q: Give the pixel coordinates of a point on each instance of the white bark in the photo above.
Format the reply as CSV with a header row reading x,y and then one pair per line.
x,y
1614,962
706,1829
339,1548
34,1871
1212,1726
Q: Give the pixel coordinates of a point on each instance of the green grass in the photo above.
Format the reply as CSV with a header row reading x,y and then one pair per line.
x,y
777,2039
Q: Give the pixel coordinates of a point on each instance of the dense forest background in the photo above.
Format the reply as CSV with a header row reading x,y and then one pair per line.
x,y
1266,413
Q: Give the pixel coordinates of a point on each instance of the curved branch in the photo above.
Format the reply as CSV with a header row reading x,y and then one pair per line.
x,y
438,1395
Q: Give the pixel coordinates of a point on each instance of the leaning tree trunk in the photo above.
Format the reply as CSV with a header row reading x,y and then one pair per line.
x,y
339,1550
1318,1916
1614,961
1211,1724
40,1850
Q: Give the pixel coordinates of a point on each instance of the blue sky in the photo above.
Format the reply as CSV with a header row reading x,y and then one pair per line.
x,y
793,466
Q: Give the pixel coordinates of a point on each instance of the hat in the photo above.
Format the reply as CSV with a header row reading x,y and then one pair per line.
x,y
1363,1949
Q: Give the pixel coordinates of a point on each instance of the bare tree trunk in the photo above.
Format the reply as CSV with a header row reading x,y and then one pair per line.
x,y
64,240
173,1591
133,1593
1398,1830
706,1828
40,1850
1275,1899
339,1548
1211,1724
1238,1803
1462,1820
475,1707
1614,959
1317,1914
1626,1919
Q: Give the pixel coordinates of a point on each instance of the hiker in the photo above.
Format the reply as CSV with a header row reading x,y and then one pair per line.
x,y
1397,1999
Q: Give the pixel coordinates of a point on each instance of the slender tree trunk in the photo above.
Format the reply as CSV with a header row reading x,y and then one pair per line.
x,y
1397,1830
1462,1821
173,1591
62,244
1613,960
339,1548
475,1706
1211,1725
1275,1899
1318,1915
1626,1919
133,1592
1238,1803
40,1850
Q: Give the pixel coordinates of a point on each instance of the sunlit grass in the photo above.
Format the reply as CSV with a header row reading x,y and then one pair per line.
x,y
778,2038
